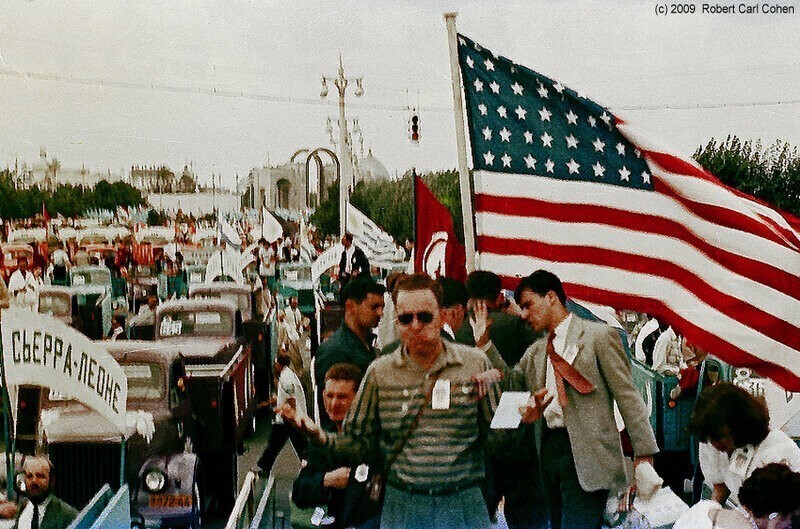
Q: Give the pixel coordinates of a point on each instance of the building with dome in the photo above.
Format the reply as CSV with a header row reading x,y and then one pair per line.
x,y
369,169
286,186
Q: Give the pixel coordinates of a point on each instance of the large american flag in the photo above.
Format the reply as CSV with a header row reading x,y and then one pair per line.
x,y
562,183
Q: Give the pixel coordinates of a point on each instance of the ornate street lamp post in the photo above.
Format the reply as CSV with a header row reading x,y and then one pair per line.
x,y
346,178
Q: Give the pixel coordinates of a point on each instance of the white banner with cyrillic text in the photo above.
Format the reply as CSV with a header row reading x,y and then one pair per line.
x,y
40,350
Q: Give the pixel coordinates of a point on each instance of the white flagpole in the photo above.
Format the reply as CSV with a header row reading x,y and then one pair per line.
x,y
461,143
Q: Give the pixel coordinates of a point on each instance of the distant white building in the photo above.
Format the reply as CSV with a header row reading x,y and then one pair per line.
x,y
287,186
50,175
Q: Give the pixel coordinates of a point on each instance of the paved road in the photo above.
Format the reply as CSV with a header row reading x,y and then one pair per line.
x,y
286,468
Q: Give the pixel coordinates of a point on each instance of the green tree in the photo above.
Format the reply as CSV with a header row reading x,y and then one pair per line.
x,y
390,204
326,216
770,174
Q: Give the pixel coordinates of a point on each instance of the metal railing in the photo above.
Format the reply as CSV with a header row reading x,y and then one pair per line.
x,y
267,498
245,513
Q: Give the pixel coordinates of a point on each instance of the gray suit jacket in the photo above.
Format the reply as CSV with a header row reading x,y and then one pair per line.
x,y
58,514
589,419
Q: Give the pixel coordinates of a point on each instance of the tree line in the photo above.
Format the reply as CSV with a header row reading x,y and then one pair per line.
x,y
771,174
68,200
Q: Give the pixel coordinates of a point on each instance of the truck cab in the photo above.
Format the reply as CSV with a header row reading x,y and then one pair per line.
x,y
255,329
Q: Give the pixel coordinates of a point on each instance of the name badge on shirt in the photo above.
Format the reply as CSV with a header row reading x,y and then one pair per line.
x,y
316,518
362,471
440,400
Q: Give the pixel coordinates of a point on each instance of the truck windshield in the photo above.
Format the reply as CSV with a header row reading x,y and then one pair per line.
x,y
201,323
296,274
145,381
57,305
91,277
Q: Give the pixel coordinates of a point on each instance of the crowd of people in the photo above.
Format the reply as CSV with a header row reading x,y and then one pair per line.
x,y
393,415
402,435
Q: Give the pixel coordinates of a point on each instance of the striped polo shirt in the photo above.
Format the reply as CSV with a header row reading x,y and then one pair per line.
x,y
446,449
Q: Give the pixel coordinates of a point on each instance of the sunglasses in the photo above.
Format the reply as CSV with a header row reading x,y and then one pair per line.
x,y
422,317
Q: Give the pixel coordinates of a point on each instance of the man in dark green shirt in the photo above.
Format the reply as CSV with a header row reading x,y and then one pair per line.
x,y
353,341
515,475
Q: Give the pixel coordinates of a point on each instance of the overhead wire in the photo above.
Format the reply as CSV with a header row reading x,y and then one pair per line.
x,y
272,98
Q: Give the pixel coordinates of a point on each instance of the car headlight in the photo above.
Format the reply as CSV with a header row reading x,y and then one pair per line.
x,y
155,480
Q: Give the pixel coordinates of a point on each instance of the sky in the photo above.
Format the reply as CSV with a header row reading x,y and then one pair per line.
x,y
230,85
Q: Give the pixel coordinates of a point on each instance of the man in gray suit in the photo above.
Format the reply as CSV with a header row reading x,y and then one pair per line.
x,y
575,374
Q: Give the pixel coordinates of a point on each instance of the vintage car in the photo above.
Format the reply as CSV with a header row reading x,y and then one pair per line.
x,y
92,285
59,302
164,476
220,382
11,254
295,280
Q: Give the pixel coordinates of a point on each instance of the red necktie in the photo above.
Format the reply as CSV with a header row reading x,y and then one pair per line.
x,y
563,370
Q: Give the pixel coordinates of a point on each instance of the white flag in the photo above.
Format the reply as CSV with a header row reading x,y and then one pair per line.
x,y
270,229
376,243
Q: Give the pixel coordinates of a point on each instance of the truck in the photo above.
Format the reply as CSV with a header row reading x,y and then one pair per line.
x,y
256,330
164,476
220,382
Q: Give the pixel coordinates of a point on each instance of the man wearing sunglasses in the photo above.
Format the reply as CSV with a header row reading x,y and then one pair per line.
x,y
353,342
422,410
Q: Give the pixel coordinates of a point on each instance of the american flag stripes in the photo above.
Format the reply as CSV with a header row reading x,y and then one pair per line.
x,y
562,183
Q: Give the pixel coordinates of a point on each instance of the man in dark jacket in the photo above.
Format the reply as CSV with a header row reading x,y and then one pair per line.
x,y
333,484
41,509
353,263
515,475
353,342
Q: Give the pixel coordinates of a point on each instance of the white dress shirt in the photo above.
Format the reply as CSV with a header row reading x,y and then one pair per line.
x,y
732,470
554,414
26,516
348,259
289,386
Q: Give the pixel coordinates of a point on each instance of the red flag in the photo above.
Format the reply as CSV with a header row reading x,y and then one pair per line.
x,y
437,251
562,183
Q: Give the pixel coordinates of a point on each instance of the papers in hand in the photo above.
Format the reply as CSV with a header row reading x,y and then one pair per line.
x,y
507,416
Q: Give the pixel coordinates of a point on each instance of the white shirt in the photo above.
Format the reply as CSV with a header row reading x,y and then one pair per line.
x,y
60,258
26,516
289,386
348,259
697,516
554,414
664,352
644,332
294,318
718,467
19,281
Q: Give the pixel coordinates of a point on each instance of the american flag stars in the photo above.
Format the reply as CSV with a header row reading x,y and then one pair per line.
x,y
525,123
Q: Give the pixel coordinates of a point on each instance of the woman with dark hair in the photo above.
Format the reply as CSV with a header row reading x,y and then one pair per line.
x,y
769,498
735,439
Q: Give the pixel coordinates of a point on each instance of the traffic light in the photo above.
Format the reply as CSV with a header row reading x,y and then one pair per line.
x,y
413,128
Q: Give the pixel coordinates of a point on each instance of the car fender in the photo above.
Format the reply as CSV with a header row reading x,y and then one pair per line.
x,y
182,472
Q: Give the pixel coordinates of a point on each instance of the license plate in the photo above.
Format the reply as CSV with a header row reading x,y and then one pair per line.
x,y
170,501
